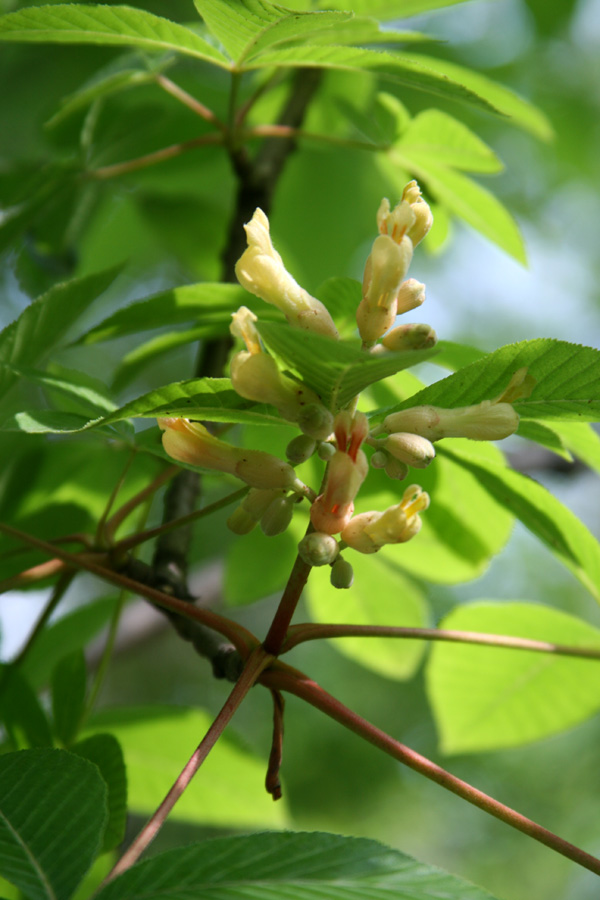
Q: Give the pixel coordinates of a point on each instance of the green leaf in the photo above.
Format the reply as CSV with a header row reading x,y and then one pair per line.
x,y
101,87
246,27
484,698
452,546
388,9
294,866
581,440
567,381
380,595
363,30
258,566
545,516
156,742
172,307
464,197
149,351
436,137
20,710
408,71
93,397
43,324
69,681
341,296
52,815
120,26
518,111
337,371
65,636
544,435
104,751
212,399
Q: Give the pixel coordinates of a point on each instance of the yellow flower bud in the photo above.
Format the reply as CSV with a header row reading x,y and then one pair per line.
x,y
422,212
396,222
261,271
346,472
412,449
410,337
192,443
486,421
370,531
410,295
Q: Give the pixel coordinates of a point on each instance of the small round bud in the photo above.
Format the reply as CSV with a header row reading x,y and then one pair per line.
x,y
413,336
240,521
342,574
318,549
277,516
300,449
316,421
396,469
379,459
326,451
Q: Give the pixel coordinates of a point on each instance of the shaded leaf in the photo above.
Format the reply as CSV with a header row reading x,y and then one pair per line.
x,y
45,793
69,680
485,698
104,751
20,710
295,866
106,25
545,516
42,325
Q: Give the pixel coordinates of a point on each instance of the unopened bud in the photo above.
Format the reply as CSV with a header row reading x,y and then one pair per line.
x,y
342,574
396,469
318,549
379,459
315,420
240,521
325,450
354,533
278,516
421,210
410,295
411,449
486,421
300,449
410,337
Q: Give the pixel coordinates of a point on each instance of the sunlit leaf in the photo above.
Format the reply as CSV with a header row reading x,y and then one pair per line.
x,y
380,595
107,25
485,698
157,741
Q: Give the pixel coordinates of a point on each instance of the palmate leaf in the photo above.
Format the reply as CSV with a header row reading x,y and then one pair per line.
x,y
434,136
245,27
484,698
294,866
45,793
545,516
387,8
362,30
337,371
121,26
567,381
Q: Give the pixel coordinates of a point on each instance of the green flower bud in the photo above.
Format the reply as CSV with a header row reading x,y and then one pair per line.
x,y
277,516
342,574
396,469
410,337
316,421
326,451
240,521
318,549
379,459
300,449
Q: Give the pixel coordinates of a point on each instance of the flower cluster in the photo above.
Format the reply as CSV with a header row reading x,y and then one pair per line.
x,y
403,440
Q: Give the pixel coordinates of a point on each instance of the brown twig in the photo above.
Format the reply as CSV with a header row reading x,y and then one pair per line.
x,y
282,677
272,780
152,159
308,631
255,665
